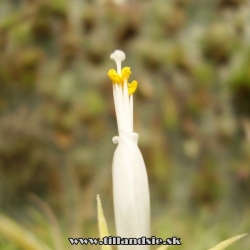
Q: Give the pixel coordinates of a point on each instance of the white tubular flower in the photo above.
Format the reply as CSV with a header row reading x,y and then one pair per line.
x,y
130,181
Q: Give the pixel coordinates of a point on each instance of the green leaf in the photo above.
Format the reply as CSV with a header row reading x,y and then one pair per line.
x,y
102,224
163,247
17,234
227,242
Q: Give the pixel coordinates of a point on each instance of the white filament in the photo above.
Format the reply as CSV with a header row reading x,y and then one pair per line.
x,y
121,97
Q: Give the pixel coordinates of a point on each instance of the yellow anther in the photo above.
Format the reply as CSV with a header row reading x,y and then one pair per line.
x,y
132,87
115,78
126,72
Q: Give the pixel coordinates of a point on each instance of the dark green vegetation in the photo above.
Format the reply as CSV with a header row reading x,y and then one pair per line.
x,y
192,113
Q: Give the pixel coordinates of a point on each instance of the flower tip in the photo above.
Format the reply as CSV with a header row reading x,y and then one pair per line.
x,y
118,55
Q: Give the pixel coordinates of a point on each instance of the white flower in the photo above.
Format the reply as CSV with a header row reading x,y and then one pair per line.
x,y
130,181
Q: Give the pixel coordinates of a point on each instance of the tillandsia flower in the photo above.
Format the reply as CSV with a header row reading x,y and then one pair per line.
x,y
130,181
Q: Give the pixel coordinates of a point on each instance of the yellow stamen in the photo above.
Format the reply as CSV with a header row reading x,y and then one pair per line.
x,y
132,87
126,72
115,78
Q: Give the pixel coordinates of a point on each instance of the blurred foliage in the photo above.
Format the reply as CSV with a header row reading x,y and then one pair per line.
x,y
192,111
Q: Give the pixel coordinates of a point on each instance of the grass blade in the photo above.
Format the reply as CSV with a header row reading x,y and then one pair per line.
x,y
102,224
163,247
17,234
227,242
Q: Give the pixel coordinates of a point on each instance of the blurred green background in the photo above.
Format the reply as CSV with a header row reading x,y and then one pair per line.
x,y
191,110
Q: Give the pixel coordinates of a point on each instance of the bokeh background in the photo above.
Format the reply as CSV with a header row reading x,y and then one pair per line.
x,y
192,112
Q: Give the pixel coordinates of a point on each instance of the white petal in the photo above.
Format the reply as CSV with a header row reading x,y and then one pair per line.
x,y
131,192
